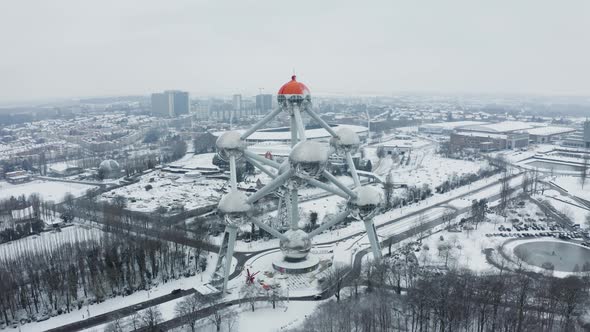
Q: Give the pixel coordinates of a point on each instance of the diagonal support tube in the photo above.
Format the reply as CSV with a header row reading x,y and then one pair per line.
x,y
232,231
270,187
339,184
372,234
260,167
352,169
269,229
326,187
321,122
261,159
337,219
233,173
261,123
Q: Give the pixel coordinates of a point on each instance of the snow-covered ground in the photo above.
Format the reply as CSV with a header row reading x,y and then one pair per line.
x,y
567,206
286,316
48,240
574,186
466,247
47,190
168,190
195,161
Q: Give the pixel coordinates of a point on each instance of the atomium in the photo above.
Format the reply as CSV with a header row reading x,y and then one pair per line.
x,y
305,165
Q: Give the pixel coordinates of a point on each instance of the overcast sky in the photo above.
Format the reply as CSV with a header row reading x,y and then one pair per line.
x,y
55,48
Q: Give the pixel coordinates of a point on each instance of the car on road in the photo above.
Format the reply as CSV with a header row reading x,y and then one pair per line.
x,y
176,291
317,297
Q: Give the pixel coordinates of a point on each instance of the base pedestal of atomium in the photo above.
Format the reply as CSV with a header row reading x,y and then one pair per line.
x,y
309,264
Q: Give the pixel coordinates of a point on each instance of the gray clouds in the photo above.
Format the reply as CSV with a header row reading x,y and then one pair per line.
x,y
63,48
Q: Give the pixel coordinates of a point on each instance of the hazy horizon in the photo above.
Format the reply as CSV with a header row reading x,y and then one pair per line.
x,y
65,49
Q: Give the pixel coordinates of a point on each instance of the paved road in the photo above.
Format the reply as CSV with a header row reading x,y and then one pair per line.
x,y
123,312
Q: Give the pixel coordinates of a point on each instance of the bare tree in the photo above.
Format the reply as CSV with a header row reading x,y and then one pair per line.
x,y
388,190
584,170
151,317
334,279
231,319
504,191
188,309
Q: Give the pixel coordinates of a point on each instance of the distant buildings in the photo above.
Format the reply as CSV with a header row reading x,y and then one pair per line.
x,y
491,136
170,103
17,177
579,138
263,103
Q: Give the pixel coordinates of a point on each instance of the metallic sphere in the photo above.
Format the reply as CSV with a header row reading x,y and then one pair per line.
x,y
309,158
346,141
230,144
234,207
296,246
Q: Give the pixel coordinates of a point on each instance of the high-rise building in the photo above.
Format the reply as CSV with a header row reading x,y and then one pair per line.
x,y
160,104
263,103
237,103
181,104
170,103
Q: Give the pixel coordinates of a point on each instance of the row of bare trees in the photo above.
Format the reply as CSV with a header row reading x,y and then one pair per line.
x,y
455,301
65,278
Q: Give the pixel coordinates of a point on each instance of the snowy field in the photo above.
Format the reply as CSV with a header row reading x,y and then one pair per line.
x,y
48,241
47,190
573,185
195,161
466,247
566,206
169,190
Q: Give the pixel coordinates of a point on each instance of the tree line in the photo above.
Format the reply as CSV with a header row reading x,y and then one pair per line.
x,y
457,300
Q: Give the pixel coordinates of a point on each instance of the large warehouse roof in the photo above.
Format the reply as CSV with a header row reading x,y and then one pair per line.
x,y
502,127
453,124
283,133
550,130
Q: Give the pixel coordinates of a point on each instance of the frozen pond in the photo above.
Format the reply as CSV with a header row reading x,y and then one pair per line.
x,y
564,256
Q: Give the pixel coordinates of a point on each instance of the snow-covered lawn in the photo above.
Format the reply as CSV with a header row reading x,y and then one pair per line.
x,y
574,186
466,248
576,214
48,240
168,190
195,161
47,190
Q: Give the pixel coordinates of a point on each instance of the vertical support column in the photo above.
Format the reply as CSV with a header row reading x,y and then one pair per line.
x,y
232,231
299,121
232,173
352,168
293,130
372,235
294,210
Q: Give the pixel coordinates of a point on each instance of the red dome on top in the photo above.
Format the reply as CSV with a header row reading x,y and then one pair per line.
x,y
293,88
